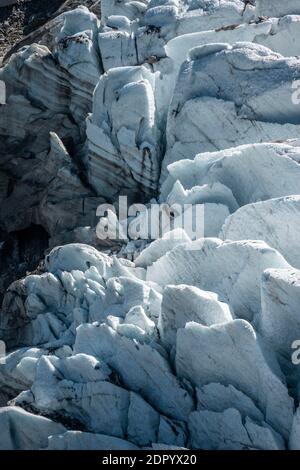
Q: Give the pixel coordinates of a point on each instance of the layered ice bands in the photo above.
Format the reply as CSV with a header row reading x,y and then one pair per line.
x,y
123,134
179,340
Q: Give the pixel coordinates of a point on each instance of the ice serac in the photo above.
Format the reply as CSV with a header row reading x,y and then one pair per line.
x,y
123,134
42,127
182,304
279,321
160,247
252,172
186,341
277,8
283,35
76,387
208,112
251,370
227,431
77,257
77,440
276,221
80,387
218,398
140,367
81,285
208,205
294,442
57,199
22,430
132,33
231,269
278,34
77,52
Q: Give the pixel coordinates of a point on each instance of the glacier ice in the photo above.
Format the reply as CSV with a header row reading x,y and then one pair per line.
x,y
169,343
208,113
226,431
250,371
182,304
259,181
277,8
231,269
278,322
22,430
123,133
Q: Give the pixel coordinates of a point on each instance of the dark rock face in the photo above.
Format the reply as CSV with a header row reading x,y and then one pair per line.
x,y
20,252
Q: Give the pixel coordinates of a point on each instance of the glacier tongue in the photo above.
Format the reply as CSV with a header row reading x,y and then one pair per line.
x,y
190,342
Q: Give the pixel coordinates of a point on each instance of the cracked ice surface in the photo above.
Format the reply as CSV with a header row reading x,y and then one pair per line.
x,y
189,344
